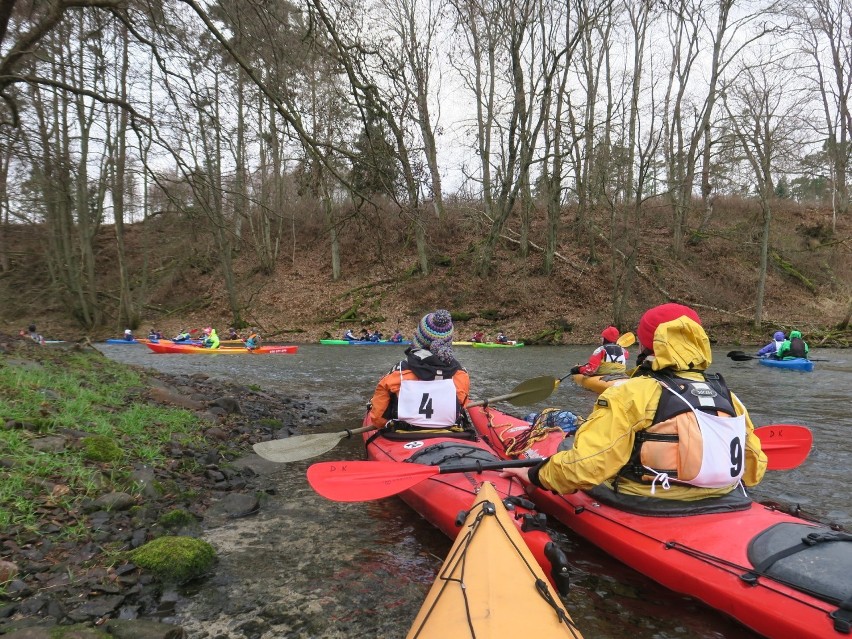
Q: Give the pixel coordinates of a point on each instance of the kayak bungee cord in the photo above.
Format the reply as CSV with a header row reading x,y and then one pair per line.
x,y
751,575
733,568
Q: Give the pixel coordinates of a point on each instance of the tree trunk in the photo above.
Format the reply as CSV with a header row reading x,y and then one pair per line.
x,y
127,315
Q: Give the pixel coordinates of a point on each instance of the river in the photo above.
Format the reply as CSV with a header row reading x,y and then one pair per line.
x,y
327,570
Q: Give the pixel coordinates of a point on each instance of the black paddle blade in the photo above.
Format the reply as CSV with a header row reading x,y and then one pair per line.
x,y
739,356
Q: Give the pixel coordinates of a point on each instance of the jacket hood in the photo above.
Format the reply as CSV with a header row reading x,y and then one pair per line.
x,y
681,344
795,334
426,364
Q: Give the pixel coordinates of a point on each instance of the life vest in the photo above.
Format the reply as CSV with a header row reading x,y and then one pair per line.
x,y
797,348
696,437
212,340
425,403
614,360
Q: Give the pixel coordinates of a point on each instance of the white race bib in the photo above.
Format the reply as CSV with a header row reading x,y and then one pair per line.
x,y
723,443
723,458
429,404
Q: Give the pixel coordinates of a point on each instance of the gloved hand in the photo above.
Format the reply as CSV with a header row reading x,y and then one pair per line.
x,y
575,370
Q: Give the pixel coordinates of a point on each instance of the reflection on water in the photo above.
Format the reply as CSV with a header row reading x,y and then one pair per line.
x,y
371,564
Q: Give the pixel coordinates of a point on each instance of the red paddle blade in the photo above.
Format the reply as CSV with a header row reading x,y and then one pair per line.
x,y
365,480
786,445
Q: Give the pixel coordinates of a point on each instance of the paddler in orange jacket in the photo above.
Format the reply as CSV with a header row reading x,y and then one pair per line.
x,y
668,396
429,388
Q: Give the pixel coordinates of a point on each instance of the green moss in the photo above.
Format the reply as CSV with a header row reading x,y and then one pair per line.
x,y
176,518
101,448
492,314
77,631
549,336
175,559
458,316
790,270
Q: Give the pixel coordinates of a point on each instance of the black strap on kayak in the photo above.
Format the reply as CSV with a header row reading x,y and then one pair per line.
x,y
749,575
809,540
842,617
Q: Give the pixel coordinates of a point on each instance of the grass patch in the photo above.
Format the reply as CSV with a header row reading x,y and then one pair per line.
x,y
44,392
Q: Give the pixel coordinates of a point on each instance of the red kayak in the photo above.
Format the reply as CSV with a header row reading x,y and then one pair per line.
x,y
782,576
171,347
442,499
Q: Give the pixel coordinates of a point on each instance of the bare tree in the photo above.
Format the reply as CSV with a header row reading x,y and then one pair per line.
x,y
20,36
497,39
416,25
824,31
764,115
689,117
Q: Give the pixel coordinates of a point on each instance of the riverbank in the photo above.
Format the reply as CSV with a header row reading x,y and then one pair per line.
x,y
381,286
97,459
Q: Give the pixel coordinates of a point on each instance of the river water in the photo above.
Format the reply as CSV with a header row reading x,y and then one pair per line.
x,y
327,570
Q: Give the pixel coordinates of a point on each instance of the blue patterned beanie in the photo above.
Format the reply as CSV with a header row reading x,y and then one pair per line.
x,y
435,334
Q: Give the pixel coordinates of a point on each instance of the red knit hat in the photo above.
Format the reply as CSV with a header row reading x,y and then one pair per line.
x,y
653,317
610,334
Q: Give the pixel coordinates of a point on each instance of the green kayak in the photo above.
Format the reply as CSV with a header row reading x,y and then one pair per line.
x,y
497,345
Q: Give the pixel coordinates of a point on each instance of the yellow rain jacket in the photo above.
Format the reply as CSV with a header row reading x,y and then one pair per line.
x,y
604,443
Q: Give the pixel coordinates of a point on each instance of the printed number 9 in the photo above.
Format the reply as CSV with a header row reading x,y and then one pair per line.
x,y
736,457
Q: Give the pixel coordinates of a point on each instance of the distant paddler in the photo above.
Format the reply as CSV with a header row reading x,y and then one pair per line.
x,y
211,339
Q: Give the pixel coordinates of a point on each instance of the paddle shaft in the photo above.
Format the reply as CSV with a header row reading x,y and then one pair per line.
x,y
785,445
366,429
740,356
366,480
300,447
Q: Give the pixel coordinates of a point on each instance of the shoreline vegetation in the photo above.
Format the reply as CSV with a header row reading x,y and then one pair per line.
x,y
108,474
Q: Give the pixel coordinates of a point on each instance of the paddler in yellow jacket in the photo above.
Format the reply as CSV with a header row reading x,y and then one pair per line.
x,y
643,437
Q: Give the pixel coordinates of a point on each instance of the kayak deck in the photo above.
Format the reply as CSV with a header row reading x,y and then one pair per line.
x,y
598,383
439,498
475,591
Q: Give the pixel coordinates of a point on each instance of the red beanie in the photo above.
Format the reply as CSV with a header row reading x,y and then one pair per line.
x,y
653,317
610,334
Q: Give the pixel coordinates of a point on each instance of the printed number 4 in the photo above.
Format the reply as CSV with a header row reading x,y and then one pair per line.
x,y
426,406
736,457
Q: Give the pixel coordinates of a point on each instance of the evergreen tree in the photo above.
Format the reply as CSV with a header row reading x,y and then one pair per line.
x,y
375,168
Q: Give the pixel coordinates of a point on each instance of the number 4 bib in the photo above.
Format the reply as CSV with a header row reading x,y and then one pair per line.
x,y
428,404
